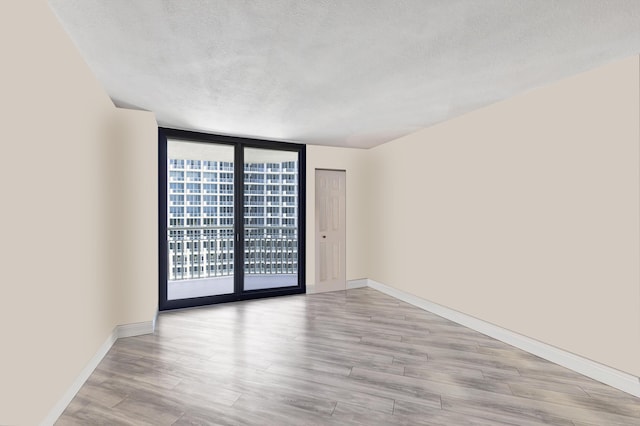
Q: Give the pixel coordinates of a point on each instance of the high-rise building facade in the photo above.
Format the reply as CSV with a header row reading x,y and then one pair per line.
x,y
201,218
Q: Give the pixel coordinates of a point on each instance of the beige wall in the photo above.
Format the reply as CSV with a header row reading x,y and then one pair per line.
x,y
353,161
66,184
524,214
134,206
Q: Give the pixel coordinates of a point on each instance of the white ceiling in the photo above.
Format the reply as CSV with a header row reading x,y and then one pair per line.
x,y
337,72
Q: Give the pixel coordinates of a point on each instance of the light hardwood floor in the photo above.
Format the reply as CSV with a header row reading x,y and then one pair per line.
x,y
355,357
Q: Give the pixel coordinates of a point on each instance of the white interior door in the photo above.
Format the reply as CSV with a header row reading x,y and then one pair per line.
x,y
330,230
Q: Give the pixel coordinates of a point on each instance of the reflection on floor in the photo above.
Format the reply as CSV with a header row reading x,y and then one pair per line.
x,y
184,289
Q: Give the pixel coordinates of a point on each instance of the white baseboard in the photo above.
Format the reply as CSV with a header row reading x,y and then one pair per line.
x,y
600,372
120,331
82,377
357,283
136,329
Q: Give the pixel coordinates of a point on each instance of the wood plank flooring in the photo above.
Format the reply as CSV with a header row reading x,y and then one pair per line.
x,y
355,357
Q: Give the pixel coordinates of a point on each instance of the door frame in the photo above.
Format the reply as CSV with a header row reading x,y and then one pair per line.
x,y
239,143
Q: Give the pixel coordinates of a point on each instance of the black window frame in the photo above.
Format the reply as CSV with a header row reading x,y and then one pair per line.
x,y
239,144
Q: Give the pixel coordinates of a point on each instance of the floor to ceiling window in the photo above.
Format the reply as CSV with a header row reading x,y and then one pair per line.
x,y
231,218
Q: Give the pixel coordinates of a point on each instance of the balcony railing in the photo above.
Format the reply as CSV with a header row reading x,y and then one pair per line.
x,y
208,251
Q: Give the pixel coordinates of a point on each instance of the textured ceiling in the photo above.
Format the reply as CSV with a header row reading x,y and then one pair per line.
x,y
350,73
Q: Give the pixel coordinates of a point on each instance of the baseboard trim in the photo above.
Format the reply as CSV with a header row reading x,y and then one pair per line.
x,y
62,404
119,331
136,329
357,283
600,372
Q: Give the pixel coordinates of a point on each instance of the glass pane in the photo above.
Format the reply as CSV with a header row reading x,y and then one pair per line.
x,y
270,218
200,215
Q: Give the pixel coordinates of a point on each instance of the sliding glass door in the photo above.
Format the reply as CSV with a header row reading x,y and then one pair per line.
x,y
200,219
270,219
231,218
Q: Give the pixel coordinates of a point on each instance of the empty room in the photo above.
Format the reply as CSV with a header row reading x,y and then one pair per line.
x,y
320,212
